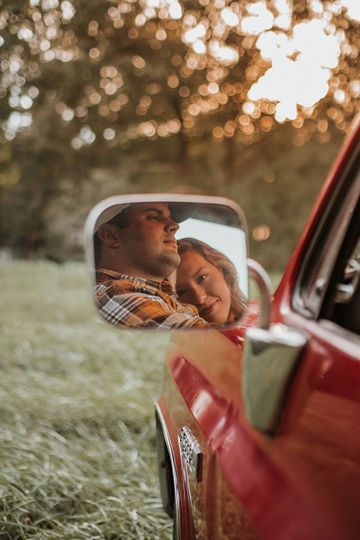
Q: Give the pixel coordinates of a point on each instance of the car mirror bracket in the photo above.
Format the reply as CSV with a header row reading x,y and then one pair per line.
x,y
270,356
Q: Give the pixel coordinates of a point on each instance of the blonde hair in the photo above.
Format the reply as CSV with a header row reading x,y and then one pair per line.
x,y
223,263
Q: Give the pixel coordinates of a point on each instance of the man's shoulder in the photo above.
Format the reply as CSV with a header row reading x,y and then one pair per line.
x,y
124,284
131,297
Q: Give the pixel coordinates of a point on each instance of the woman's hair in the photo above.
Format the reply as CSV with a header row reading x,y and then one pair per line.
x,y
223,263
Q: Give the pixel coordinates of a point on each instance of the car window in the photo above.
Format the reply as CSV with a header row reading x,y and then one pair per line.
x,y
332,250
342,304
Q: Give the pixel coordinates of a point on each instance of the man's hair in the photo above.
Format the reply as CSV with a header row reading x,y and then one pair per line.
x,y
223,263
121,220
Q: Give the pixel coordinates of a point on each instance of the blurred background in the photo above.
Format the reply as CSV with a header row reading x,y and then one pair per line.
x,y
247,99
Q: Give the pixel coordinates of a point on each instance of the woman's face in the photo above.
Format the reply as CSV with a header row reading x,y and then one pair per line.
x,y
202,284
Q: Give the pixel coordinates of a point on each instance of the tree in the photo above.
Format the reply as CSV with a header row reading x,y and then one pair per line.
x,y
93,84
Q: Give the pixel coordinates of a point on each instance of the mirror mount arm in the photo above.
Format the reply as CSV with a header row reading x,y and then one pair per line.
x,y
258,274
271,354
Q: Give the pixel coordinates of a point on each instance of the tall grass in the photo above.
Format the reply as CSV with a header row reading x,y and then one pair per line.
x,y
77,447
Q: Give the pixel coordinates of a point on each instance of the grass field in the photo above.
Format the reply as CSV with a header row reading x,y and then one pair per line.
x,y
77,446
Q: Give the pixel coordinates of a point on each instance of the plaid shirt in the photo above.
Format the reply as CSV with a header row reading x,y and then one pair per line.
x,y
134,302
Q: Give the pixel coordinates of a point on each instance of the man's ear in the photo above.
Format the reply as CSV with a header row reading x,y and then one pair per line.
x,y
109,234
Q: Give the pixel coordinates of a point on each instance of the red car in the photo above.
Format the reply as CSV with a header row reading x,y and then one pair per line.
x,y
258,423
258,427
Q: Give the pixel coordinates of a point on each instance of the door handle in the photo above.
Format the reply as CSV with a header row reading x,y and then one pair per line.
x,y
270,357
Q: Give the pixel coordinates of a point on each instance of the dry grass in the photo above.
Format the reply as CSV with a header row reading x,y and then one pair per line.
x,y
77,448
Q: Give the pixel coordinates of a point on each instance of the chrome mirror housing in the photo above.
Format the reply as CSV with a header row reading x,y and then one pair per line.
x,y
168,261
271,353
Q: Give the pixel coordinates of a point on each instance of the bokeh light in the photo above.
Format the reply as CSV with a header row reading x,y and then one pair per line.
x,y
261,233
257,63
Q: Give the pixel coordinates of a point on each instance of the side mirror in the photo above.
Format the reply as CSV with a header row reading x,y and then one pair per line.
x,y
168,261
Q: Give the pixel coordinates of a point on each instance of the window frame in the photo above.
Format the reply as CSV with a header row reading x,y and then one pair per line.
x,y
325,246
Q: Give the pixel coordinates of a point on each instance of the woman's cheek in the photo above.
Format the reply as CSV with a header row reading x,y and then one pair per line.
x,y
209,287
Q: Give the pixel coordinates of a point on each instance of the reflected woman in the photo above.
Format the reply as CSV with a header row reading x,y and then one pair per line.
x,y
207,279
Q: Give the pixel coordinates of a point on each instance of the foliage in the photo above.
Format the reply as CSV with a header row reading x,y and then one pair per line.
x,y
112,96
133,69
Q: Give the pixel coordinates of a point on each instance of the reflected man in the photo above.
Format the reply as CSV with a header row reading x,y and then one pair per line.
x,y
136,254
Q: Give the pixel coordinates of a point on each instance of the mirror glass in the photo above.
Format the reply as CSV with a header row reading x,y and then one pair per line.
x,y
168,262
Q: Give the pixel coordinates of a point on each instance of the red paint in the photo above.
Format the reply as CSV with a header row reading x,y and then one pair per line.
x,y
304,483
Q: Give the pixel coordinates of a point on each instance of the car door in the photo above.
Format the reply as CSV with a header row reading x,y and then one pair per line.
x,y
300,477
302,480
318,439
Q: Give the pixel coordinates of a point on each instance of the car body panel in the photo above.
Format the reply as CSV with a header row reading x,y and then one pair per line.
x,y
304,482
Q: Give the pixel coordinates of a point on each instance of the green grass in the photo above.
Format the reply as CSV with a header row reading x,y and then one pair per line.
x,y
77,446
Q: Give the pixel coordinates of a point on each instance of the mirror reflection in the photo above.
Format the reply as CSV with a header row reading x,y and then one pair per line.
x,y
207,279
169,264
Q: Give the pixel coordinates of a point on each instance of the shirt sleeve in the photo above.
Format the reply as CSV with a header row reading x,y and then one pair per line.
x,y
137,310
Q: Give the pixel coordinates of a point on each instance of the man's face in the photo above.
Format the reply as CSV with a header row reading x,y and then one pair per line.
x,y
149,240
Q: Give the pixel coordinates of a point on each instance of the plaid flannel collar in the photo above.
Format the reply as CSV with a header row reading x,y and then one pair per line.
x,y
103,274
